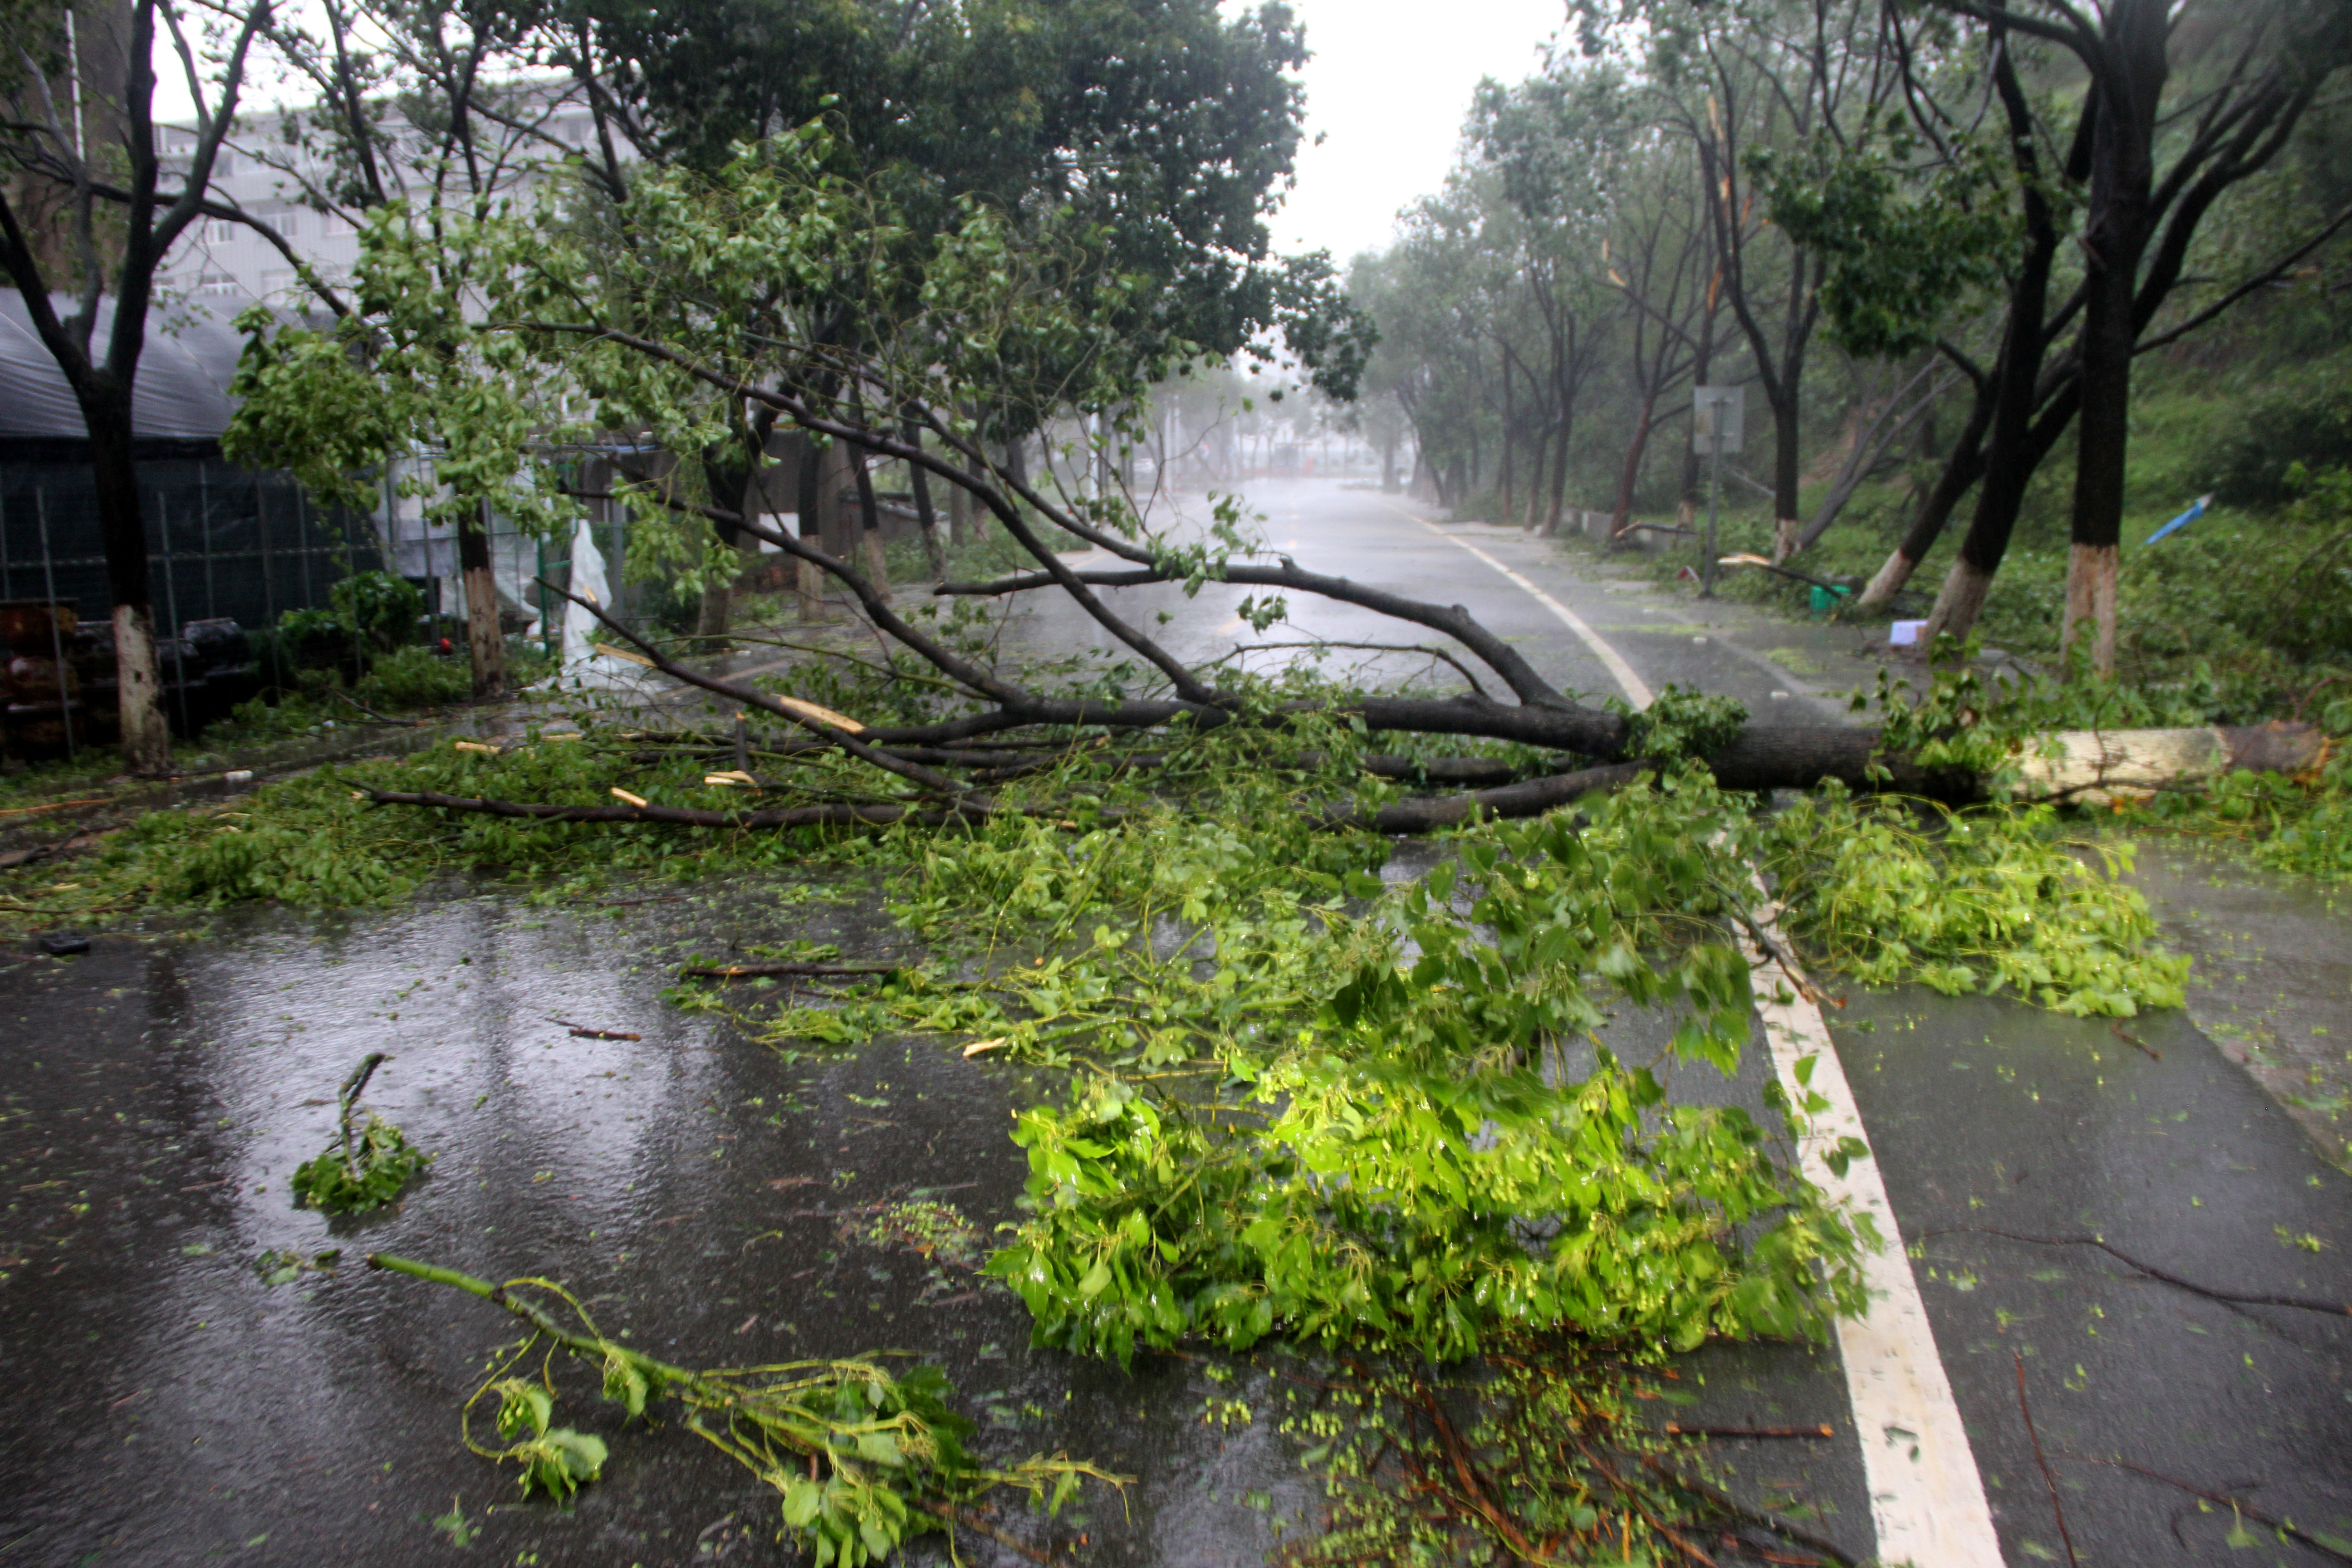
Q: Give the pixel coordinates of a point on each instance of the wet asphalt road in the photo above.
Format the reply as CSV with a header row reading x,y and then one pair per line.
x,y
166,1405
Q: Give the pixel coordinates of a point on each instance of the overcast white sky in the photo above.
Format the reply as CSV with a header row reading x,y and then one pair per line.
x,y
1388,89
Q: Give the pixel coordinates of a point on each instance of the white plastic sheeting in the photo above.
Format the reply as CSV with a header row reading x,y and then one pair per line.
x,y
584,668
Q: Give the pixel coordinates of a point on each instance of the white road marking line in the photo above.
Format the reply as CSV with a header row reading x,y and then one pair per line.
x,y
1636,689
1926,1500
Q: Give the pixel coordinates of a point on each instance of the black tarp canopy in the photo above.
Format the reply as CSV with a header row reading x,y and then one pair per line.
x,y
222,541
180,398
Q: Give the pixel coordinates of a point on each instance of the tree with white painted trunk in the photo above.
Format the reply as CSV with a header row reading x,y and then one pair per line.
x,y
1795,82
2065,228
687,328
80,138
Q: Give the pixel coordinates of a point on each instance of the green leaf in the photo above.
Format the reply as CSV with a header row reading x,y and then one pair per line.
x,y
559,1462
802,1499
523,1406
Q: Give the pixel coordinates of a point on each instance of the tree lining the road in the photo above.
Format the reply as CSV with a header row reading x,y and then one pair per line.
x,y
1993,211
1300,1135
725,298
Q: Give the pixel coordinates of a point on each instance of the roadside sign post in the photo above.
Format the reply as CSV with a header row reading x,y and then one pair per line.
x,y
1716,428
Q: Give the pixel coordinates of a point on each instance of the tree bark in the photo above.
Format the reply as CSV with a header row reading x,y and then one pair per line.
x,y
2122,173
2018,440
2089,598
486,646
718,609
1962,470
1630,475
869,526
122,531
808,578
920,480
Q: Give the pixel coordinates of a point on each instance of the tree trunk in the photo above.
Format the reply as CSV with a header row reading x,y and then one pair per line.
x,y
2090,596
921,482
1560,473
959,516
1630,474
485,645
2116,234
869,527
1788,471
1510,442
718,608
1702,366
123,529
1541,465
1962,471
808,577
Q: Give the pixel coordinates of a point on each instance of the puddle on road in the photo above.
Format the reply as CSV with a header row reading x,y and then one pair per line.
x,y
700,1194
2272,976
710,1200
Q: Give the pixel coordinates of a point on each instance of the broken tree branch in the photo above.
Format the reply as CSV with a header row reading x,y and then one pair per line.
x,y
751,971
2232,1297
2065,1536
2223,1500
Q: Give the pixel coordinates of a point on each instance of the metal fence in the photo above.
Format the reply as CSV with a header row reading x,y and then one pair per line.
x,y
223,542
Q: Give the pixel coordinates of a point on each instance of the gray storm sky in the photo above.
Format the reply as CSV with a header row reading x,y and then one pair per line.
x,y
1387,90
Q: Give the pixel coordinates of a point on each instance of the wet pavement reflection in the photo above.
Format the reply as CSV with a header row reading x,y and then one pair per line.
x,y
698,1192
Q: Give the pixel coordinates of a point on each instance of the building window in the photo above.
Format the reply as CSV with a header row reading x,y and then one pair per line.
x,y
216,284
218,230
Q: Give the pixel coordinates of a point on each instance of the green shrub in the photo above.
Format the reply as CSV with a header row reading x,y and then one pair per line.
x,y
312,639
2304,418
381,608
415,677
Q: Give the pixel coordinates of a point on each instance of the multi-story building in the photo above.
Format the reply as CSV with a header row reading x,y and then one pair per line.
x,y
262,171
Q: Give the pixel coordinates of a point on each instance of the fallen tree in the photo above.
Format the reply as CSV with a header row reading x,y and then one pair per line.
x,y
721,321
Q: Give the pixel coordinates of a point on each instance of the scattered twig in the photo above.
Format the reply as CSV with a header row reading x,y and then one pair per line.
x,y
1762,1517
2122,1034
1774,949
2223,1499
2304,1303
383,718
583,1032
1460,669
1823,1430
877,814
1641,1507
2056,1506
1474,1496
11,907
969,1521
353,1087
748,971
47,807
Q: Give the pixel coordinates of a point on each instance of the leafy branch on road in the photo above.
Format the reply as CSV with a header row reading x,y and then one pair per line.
x,y
860,1458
